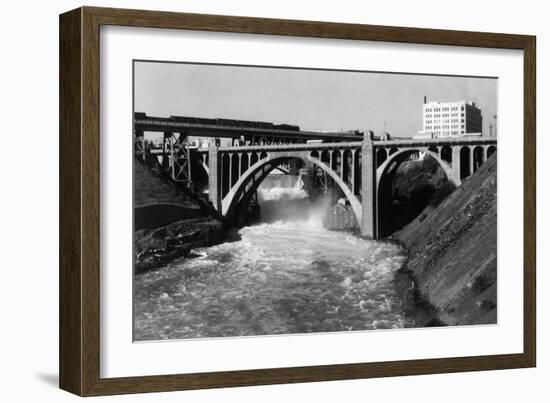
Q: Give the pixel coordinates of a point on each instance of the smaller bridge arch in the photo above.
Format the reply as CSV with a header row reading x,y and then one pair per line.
x,y
385,175
399,156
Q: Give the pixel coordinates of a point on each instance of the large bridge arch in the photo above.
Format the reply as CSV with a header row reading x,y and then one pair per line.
x,y
384,180
251,179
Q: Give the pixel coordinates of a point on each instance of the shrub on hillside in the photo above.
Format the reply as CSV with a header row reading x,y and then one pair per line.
x,y
482,282
441,193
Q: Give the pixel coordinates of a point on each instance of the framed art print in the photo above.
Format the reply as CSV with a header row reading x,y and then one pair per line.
x,y
250,201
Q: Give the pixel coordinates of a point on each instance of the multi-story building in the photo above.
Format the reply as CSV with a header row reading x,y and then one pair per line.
x,y
450,119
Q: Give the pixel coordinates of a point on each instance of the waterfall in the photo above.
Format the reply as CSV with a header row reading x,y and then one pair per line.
x,y
277,187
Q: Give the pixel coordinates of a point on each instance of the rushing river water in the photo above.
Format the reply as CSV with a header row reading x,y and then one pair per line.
x,y
277,278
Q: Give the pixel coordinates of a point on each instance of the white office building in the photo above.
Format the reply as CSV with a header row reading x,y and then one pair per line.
x,y
450,119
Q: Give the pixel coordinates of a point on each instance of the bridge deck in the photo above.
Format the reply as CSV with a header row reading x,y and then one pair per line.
x,y
357,144
294,147
462,140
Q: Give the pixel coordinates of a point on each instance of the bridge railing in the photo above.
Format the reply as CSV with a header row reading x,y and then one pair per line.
x,y
294,147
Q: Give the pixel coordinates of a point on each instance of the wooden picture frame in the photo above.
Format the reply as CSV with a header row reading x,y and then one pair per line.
x,y
79,348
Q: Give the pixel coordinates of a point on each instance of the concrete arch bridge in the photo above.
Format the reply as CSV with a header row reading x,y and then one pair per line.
x,y
363,170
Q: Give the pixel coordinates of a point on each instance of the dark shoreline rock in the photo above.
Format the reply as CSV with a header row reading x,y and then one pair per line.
x,y
156,247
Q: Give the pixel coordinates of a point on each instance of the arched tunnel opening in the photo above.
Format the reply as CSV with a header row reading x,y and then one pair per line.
x,y
411,182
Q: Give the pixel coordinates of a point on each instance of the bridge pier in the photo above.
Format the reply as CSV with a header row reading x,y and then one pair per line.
x,y
455,165
471,160
214,189
139,145
353,191
368,187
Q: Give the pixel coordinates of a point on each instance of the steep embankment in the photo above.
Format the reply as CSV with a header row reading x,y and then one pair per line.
x,y
168,221
453,250
157,201
152,188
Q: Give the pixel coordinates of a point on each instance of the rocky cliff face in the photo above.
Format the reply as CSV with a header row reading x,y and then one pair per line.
x,y
453,251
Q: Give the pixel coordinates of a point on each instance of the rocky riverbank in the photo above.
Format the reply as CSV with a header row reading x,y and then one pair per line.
x,y
156,247
453,251
169,221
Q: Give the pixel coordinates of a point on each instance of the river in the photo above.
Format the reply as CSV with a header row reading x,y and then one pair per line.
x,y
281,277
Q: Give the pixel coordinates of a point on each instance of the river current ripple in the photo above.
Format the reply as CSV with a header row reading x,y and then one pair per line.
x,y
277,278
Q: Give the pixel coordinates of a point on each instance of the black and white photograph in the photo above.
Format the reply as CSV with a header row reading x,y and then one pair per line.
x,y
270,200
275,201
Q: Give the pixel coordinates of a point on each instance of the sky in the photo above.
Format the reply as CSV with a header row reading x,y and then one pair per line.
x,y
313,99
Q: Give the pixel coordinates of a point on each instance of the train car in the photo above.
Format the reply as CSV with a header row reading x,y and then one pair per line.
x,y
227,122
288,127
206,121
183,119
246,124
264,125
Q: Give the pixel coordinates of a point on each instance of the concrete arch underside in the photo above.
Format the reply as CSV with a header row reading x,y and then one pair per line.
x,y
251,179
385,175
399,156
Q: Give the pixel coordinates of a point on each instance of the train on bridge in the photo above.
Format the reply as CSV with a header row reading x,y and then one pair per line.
x,y
235,123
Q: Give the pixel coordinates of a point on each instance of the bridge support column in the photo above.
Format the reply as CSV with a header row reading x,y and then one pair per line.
x,y
368,185
456,166
230,170
353,172
471,154
139,145
240,165
342,164
214,178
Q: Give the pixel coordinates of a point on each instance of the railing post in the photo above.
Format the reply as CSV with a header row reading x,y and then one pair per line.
x,y
213,179
368,185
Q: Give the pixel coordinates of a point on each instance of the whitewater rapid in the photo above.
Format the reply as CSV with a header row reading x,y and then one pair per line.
x,y
278,278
